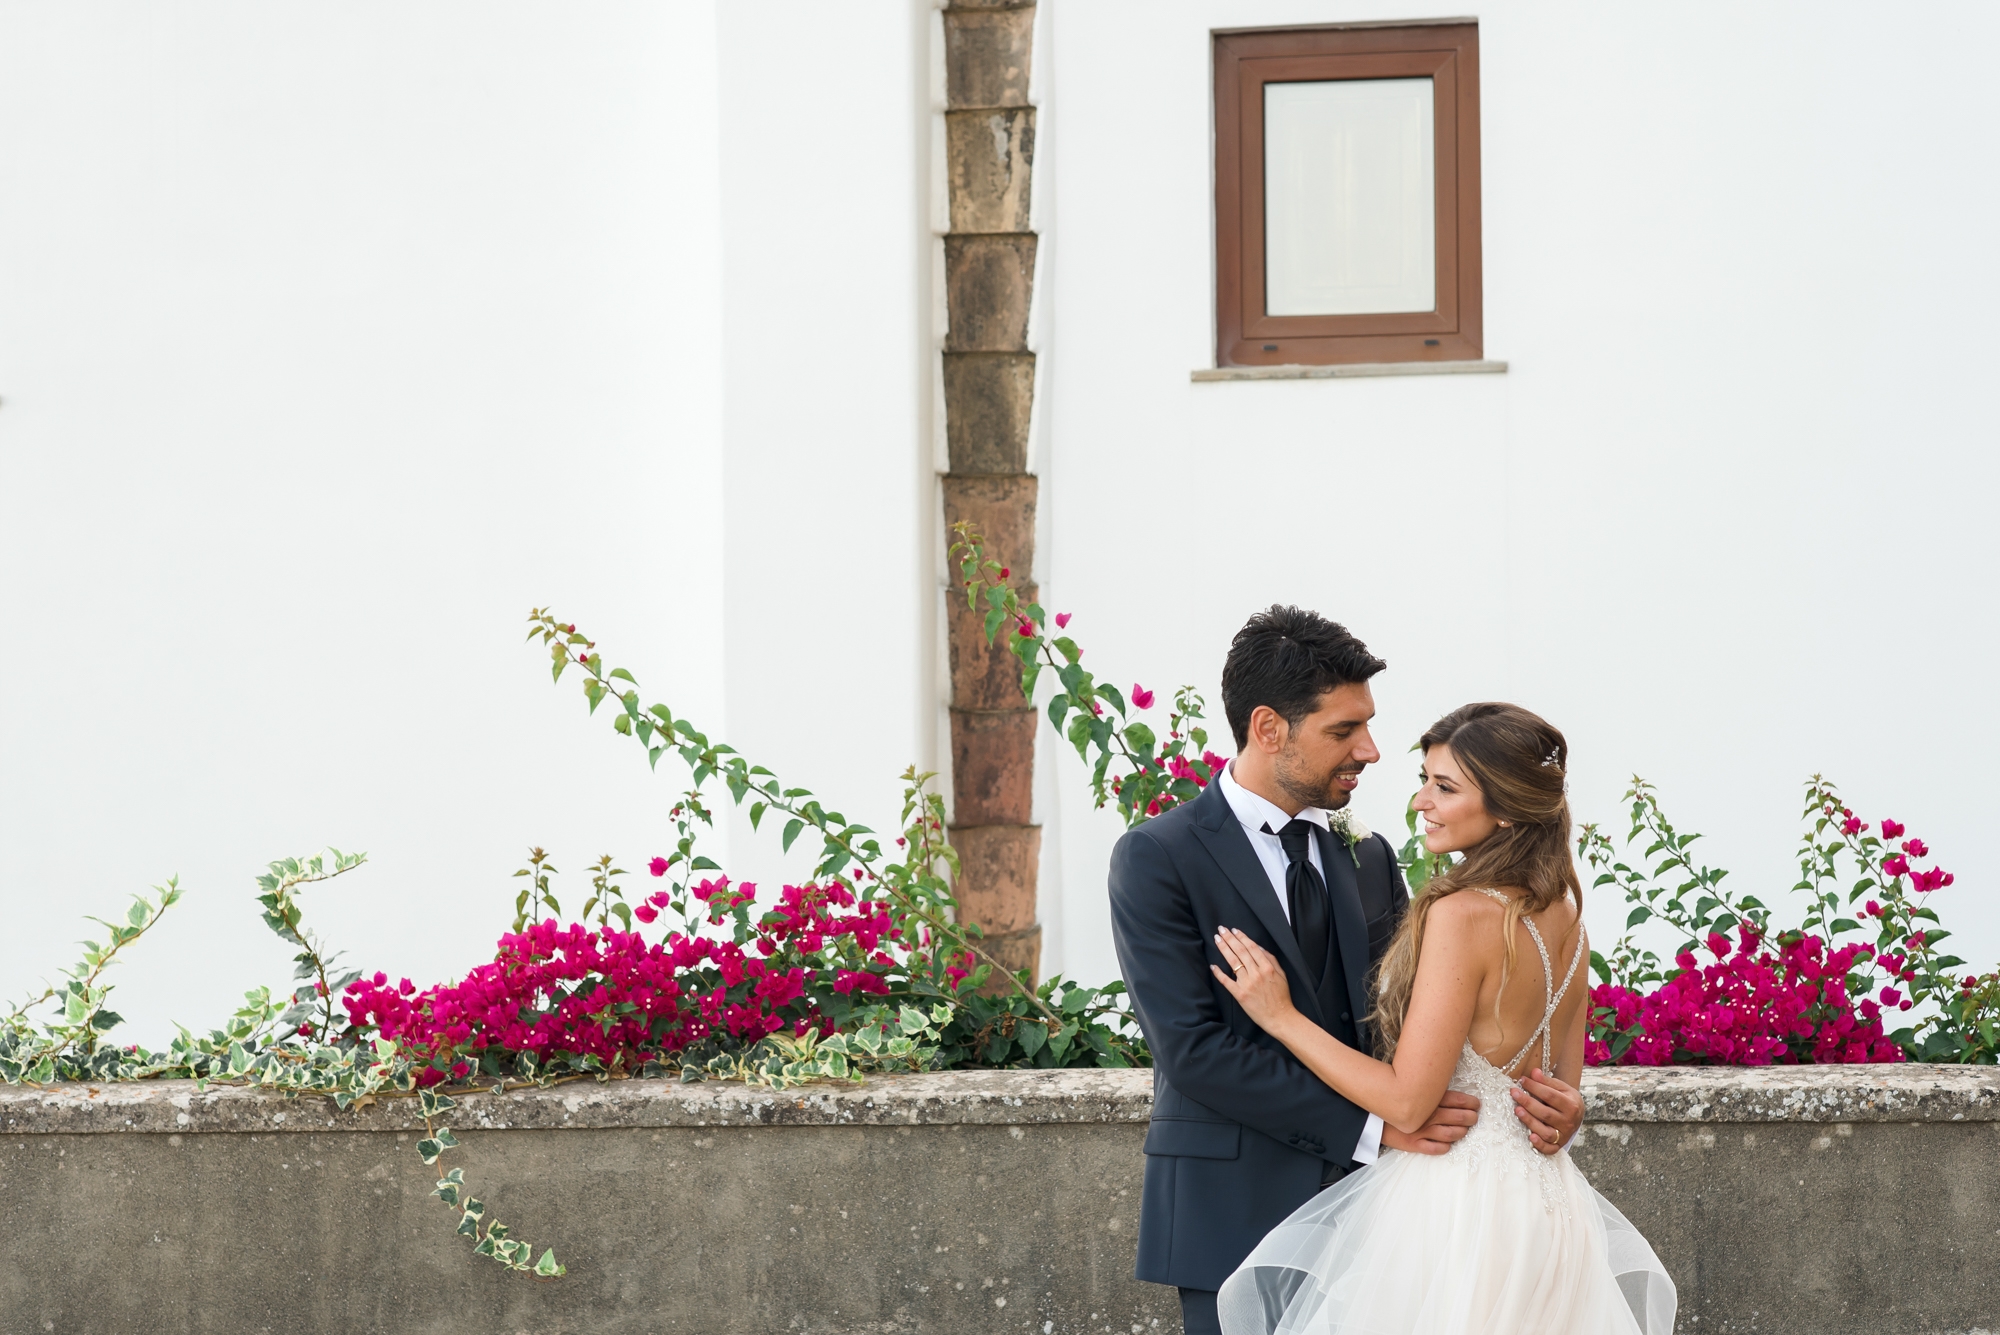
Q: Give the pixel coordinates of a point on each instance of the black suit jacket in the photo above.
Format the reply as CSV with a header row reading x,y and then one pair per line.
x,y
1241,1131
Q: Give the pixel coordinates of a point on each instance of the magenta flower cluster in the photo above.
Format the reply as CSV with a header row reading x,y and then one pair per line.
x,y
1178,767
1751,1007
605,993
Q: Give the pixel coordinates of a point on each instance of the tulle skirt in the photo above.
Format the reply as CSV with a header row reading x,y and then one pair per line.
x,y
1489,1239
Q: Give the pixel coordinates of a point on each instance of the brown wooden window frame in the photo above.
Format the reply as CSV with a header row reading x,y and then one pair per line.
x,y
1245,61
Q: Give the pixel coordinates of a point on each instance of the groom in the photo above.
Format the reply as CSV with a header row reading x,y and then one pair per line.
x,y
1242,1133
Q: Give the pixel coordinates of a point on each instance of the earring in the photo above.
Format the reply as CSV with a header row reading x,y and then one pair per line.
x,y
1506,824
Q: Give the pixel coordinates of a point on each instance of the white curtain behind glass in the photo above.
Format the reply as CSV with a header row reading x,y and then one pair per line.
x,y
1349,197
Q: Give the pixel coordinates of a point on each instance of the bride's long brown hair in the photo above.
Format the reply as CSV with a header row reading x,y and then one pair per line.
x,y
1519,761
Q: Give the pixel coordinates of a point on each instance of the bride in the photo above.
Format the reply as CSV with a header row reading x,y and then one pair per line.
x,y
1491,1237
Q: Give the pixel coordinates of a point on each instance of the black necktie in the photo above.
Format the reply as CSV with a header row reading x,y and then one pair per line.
x,y
1305,895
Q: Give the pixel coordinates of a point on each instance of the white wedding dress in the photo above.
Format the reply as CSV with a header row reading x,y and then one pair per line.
x,y
1490,1238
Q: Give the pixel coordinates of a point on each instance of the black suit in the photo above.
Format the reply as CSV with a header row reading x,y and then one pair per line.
x,y
1242,1133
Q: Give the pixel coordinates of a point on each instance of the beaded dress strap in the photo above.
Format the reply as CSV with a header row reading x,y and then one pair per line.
x,y
1553,993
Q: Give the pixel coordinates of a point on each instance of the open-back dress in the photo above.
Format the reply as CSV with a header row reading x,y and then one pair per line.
x,y
1490,1238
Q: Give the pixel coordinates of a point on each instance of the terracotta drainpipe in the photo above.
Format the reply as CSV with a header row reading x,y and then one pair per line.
x,y
989,385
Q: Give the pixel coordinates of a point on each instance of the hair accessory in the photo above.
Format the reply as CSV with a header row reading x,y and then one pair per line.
x,y
1553,758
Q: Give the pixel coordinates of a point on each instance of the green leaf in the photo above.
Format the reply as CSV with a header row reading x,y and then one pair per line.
x,y
624,675
792,828
547,1267
1637,916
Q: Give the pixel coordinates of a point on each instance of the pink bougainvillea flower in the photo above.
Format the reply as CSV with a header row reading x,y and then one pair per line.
x,y
1853,825
1896,865
1916,848
1062,620
1891,829
1890,996
1934,879
1005,572
658,866
1141,697
1027,629
1871,910
646,913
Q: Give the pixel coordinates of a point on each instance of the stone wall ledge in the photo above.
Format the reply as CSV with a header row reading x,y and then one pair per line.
x,y
1884,1092
1832,1094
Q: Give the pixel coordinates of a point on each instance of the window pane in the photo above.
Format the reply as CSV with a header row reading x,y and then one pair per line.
x,y
1349,207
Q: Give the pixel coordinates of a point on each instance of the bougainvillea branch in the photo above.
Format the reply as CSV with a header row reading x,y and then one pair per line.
x,y
1133,769
917,887
1793,994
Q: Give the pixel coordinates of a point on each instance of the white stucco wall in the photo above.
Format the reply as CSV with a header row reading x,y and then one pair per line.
x,y
1724,520
330,341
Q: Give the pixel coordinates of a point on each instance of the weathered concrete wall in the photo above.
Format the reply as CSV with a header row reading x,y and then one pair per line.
x,y
1823,1201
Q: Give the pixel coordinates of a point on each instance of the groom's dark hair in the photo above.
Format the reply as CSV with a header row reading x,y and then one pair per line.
x,y
1287,657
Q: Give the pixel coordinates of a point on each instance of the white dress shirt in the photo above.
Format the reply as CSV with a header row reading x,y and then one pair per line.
x,y
1254,813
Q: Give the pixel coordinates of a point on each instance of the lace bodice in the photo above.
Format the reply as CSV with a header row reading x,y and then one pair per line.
x,y
1498,1138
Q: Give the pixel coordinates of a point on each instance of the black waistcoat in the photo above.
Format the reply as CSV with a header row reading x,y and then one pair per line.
x,y
1333,999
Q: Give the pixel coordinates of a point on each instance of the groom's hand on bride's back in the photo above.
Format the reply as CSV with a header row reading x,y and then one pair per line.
x,y
1551,1110
1454,1117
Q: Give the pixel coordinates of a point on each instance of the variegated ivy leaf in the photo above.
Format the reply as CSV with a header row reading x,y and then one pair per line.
x,y
547,1267
468,1226
446,1192
430,1150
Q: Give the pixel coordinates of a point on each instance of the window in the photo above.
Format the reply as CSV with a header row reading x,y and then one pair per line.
x,y
1347,195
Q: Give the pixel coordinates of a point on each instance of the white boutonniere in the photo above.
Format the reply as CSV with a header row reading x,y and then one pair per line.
x,y
1350,829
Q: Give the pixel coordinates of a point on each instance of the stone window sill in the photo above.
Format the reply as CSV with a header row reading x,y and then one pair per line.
x,y
1347,371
